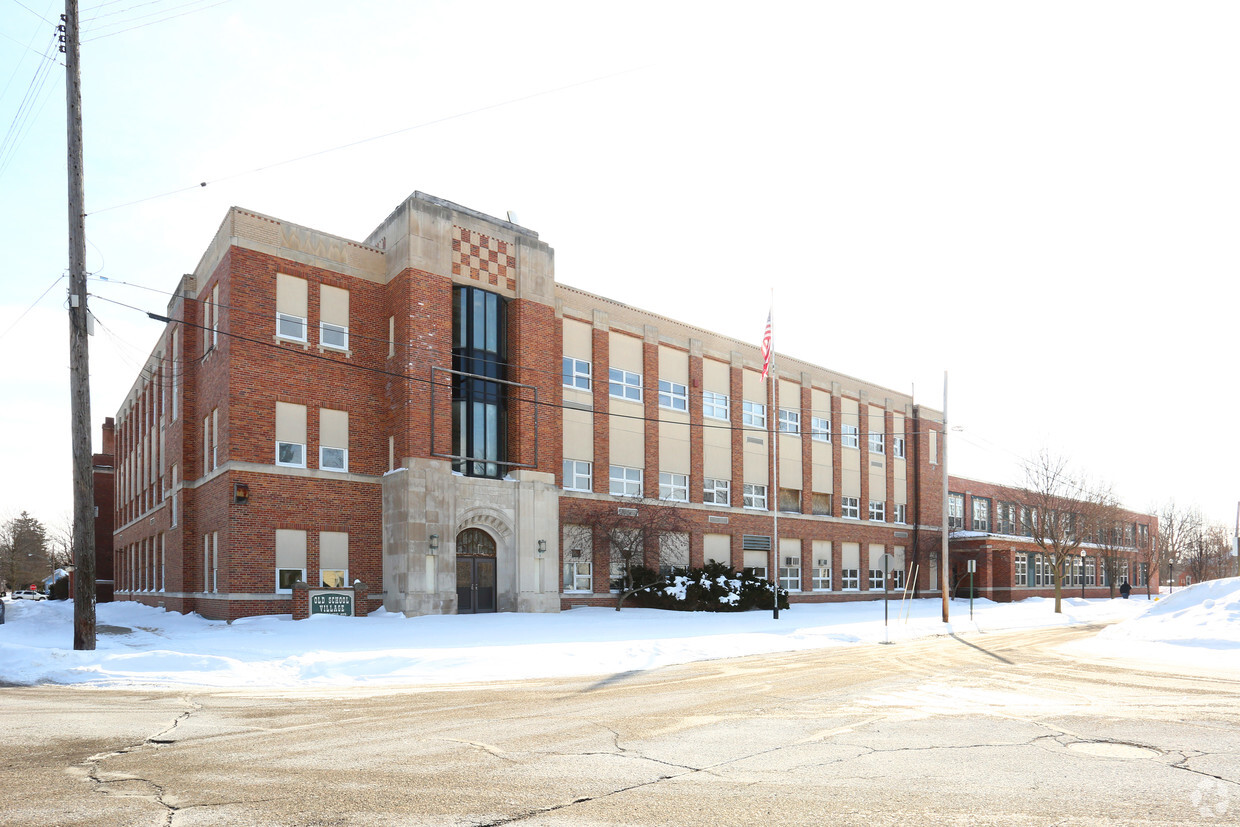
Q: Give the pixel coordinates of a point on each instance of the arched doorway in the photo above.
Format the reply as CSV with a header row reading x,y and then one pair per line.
x,y
475,572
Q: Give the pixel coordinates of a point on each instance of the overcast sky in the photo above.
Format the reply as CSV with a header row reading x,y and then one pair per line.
x,y
1038,198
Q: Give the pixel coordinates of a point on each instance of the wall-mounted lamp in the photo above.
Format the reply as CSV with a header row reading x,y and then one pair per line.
x,y
542,547
434,543
241,493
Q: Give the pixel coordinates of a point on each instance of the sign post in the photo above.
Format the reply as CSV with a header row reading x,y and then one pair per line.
x,y
888,561
972,570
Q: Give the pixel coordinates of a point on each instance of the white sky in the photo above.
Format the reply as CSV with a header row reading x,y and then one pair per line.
x,y
1192,630
1037,198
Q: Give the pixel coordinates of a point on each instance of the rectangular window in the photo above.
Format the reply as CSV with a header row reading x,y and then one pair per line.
x,y
215,438
1020,566
673,487
673,396
333,317
790,500
292,303
290,435
176,373
755,548
790,574
901,515
391,336
753,414
625,385
625,481
215,561
897,579
215,317
876,579
175,496
850,436
820,504
716,492
820,429
820,576
876,443
897,447
955,512
578,475
578,572
850,580
290,559
714,405
789,421
981,514
878,511
1091,572
575,373
333,440
850,507
755,496
334,559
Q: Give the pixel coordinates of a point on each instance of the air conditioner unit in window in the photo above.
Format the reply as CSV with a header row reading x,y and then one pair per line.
x,y
824,564
790,561
575,553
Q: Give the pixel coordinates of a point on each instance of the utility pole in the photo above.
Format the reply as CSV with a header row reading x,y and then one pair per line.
x,y
79,350
944,573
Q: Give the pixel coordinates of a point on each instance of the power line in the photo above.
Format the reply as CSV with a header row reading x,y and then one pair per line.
x,y
361,141
32,306
154,22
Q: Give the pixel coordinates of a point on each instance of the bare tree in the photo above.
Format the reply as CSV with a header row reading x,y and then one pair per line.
x,y
1207,556
1061,508
1177,528
646,533
60,542
1109,537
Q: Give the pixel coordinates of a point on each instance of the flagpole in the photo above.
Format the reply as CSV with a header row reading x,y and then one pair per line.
x,y
770,361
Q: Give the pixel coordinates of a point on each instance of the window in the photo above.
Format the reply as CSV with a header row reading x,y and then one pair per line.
x,y
290,435
291,307
820,429
878,511
753,414
897,579
850,507
755,496
901,515
714,405
897,447
716,492
215,438
333,559
820,504
176,373
876,443
850,437
876,579
290,559
820,576
578,475
578,572
850,580
790,574
1020,566
333,317
625,385
981,514
789,421
215,316
673,487
673,396
576,373
625,481
333,440
479,395
790,500
1007,518
755,548
1091,572
1078,572
955,512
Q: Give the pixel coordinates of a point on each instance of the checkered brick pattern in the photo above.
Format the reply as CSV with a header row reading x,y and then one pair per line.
x,y
484,258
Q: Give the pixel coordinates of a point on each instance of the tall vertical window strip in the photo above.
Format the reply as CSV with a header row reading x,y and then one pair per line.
x,y
333,317
479,400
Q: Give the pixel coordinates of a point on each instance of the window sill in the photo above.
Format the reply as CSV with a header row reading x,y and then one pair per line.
x,y
346,352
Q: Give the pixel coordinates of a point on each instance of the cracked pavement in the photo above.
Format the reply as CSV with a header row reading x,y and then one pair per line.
x,y
985,729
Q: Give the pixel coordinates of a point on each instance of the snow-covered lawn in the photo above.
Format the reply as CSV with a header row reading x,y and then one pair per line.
x,y
144,647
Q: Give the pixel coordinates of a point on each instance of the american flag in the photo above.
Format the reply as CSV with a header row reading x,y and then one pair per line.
x,y
766,348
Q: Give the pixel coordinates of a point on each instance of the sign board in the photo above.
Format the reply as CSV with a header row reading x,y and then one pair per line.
x,y
972,566
331,603
889,563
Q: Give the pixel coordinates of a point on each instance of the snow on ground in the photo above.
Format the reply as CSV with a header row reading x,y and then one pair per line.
x,y
143,647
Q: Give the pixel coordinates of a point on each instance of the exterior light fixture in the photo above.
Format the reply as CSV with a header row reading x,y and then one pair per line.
x,y
542,547
241,493
434,543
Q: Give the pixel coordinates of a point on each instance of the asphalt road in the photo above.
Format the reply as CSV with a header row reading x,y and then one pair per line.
x,y
984,729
